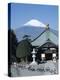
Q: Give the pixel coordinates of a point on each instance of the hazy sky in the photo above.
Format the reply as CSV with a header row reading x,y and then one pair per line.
x,y
22,13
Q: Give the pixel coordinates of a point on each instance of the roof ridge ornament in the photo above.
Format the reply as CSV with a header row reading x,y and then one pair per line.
x,y
47,26
48,40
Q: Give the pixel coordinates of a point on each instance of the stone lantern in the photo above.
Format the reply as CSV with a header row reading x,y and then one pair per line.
x,y
33,56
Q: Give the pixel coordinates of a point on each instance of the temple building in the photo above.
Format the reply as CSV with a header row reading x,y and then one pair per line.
x,y
46,44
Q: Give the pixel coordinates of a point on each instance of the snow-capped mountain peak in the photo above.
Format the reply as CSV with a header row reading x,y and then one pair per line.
x,y
35,23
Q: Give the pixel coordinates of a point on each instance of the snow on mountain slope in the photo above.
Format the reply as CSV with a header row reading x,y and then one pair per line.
x,y
35,23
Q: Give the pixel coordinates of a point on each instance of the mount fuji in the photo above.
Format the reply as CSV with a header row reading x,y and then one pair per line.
x,y
32,28
35,23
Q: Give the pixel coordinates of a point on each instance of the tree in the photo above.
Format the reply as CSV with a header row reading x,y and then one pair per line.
x,y
12,44
27,37
24,48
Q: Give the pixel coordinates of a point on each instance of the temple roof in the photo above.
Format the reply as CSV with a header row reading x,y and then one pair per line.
x,y
41,39
49,44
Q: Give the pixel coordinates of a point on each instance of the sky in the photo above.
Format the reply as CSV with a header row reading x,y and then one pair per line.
x,y
22,13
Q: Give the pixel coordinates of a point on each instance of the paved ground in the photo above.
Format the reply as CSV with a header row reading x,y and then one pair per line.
x,y
48,68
